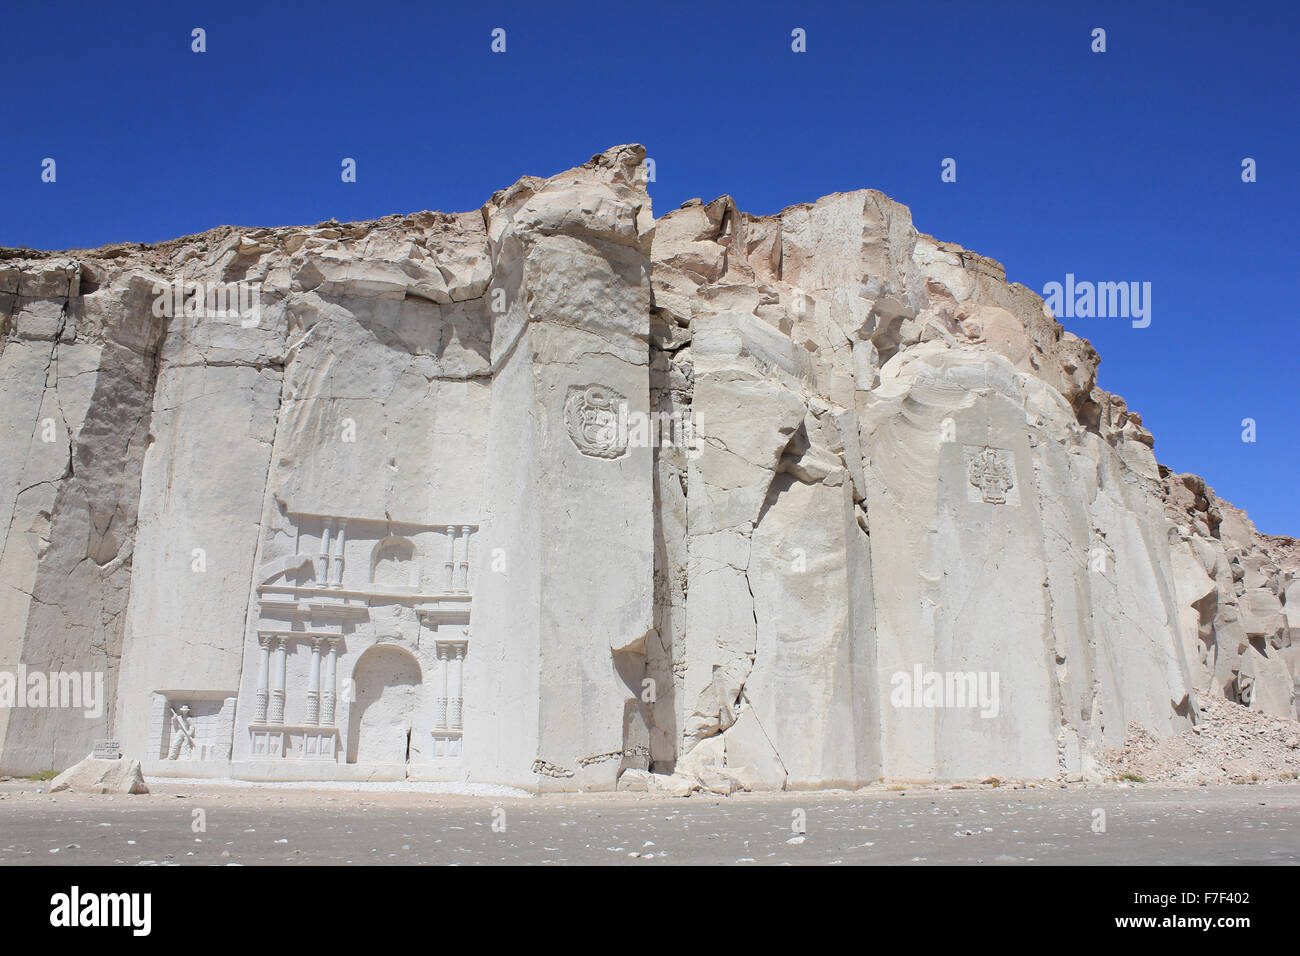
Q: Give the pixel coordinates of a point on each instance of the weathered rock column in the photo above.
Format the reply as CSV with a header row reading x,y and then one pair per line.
x,y
569,493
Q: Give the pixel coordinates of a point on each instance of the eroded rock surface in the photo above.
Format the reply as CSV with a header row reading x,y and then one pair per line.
x,y
92,775
554,493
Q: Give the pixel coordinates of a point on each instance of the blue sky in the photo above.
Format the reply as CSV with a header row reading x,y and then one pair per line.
x,y
1115,166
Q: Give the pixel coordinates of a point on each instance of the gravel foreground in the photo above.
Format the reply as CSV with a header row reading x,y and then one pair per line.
x,y
1111,824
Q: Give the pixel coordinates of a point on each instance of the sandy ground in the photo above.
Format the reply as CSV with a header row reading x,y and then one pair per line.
x,y
1117,824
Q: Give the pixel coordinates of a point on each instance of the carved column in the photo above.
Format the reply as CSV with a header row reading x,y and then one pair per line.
x,y
313,685
463,567
451,557
336,566
323,566
263,671
331,683
276,715
458,687
442,686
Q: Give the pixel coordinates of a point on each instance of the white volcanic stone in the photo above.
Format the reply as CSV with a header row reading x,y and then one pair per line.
x,y
101,776
405,520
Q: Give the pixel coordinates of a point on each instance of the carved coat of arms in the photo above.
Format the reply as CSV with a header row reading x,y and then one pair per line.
x,y
591,416
991,475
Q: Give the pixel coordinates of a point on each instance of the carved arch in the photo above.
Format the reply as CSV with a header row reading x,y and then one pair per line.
x,y
392,562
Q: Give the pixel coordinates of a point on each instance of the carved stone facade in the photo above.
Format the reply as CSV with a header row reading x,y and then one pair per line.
x,y
354,667
361,645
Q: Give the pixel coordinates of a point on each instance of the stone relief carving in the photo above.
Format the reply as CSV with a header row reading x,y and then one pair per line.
x,y
449,685
991,472
591,416
354,584
182,730
198,726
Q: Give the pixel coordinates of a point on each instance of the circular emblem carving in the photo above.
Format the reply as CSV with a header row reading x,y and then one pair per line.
x,y
991,476
591,415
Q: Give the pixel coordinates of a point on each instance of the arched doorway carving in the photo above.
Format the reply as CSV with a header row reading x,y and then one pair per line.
x,y
387,680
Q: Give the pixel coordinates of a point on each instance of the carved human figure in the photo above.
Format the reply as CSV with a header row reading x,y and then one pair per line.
x,y
182,734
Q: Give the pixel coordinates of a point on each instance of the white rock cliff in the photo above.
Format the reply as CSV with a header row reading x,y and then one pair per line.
x,y
554,494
